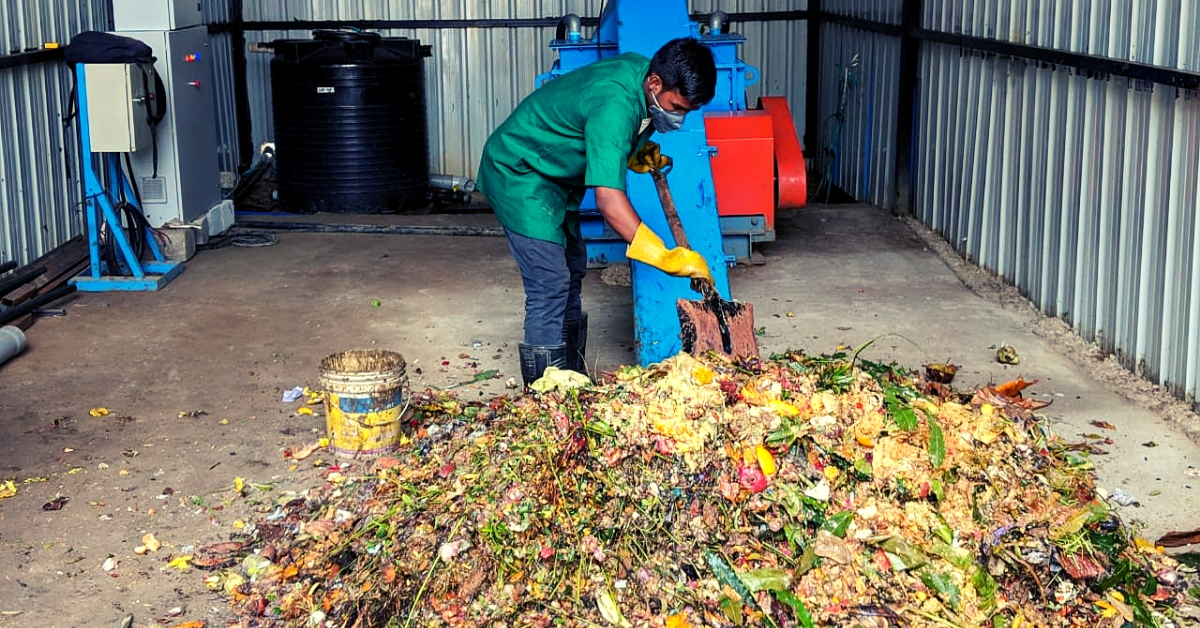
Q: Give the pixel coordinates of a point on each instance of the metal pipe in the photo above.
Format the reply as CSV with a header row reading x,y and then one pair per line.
x,y
717,21
571,28
19,280
12,342
15,312
452,182
316,227
7,266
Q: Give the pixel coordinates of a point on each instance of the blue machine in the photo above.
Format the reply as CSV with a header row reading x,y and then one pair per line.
x,y
643,27
100,207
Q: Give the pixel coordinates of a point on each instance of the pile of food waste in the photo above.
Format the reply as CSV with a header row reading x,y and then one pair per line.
x,y
795,491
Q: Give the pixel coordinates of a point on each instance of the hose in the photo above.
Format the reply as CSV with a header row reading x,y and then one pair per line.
x,y
135,233
314,227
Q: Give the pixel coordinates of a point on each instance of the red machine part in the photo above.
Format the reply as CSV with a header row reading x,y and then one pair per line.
x,y
744,166
792,184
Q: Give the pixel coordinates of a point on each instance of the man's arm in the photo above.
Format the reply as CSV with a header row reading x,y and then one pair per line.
x,y
614,205
644,245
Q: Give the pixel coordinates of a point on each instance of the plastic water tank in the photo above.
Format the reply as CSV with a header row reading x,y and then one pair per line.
x,y
351,134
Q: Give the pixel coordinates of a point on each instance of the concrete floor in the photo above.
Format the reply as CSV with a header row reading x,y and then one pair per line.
x,y
243,324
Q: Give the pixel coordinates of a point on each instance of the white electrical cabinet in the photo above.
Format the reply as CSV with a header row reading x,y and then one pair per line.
x,y
117,97
156,15
187,183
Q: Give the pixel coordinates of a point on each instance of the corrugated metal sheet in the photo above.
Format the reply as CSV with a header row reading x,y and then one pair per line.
x,y
1080,191
39,194
222,60
1162,32
221,47
887,11
860,74
477,76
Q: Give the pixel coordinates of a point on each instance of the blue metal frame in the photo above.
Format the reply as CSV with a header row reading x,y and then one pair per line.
x,y
99,205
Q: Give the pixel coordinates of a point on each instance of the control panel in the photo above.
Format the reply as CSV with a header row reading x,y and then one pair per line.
x,y
117,97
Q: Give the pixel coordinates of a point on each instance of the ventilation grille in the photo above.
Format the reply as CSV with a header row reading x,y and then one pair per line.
x,y
154,190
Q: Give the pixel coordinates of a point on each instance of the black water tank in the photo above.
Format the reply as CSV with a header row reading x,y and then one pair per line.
x,y
350,128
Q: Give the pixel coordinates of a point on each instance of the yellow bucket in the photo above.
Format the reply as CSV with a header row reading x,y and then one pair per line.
x,y
364,401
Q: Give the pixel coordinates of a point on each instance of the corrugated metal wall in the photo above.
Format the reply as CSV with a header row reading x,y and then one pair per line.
x,y
860,75
39,195
1080,190
221,47
477,76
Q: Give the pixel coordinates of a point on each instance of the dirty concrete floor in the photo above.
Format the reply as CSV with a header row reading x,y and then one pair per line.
x,y
193,375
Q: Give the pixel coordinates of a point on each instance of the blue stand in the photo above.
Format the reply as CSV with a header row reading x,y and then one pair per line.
x,y
99,205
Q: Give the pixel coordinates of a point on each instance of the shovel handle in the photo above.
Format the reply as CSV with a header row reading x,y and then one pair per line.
x,y
668,204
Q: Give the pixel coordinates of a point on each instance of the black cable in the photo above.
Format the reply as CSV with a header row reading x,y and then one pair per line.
x,y
239,238
133,184
135,232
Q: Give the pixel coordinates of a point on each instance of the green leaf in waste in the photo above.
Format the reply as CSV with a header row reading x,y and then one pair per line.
x,y
838,524
600,427
479,377
937,443
727,577
985,588
1121,574
1141,614
957,556
900,553
942,529
797,606
938,489
1191,559
906,418
732,609
862,470
944,586
808,560
765,580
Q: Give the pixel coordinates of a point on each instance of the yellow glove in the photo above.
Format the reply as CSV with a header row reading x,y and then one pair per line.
x,y
680,262
648,159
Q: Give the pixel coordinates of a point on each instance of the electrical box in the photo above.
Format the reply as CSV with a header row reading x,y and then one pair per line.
x,y
155,15
183,184
116,98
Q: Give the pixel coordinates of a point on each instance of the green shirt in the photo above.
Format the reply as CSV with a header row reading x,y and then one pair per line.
x,y
575,132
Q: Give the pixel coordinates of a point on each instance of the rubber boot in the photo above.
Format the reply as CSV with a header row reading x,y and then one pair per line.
x,y
575,337
535,359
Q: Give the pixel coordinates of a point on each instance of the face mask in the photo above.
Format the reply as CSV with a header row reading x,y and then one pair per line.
x,y
664,121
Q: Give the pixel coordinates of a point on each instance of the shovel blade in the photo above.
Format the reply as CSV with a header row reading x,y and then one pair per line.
x,y
700,324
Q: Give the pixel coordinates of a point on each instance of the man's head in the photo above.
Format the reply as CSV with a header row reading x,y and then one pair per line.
x,y
682,78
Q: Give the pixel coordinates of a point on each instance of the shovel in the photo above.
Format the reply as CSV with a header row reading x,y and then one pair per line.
x,y
711,324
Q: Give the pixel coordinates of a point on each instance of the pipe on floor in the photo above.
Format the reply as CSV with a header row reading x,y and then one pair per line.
x,y
16,281
12,342
17,311
315,227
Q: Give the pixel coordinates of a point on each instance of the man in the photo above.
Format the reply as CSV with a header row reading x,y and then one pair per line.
x,y
578,132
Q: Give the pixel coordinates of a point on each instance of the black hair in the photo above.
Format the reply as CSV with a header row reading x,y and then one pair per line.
x,y
687,65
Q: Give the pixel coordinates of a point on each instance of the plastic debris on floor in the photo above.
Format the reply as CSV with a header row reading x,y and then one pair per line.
x,y
796,491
